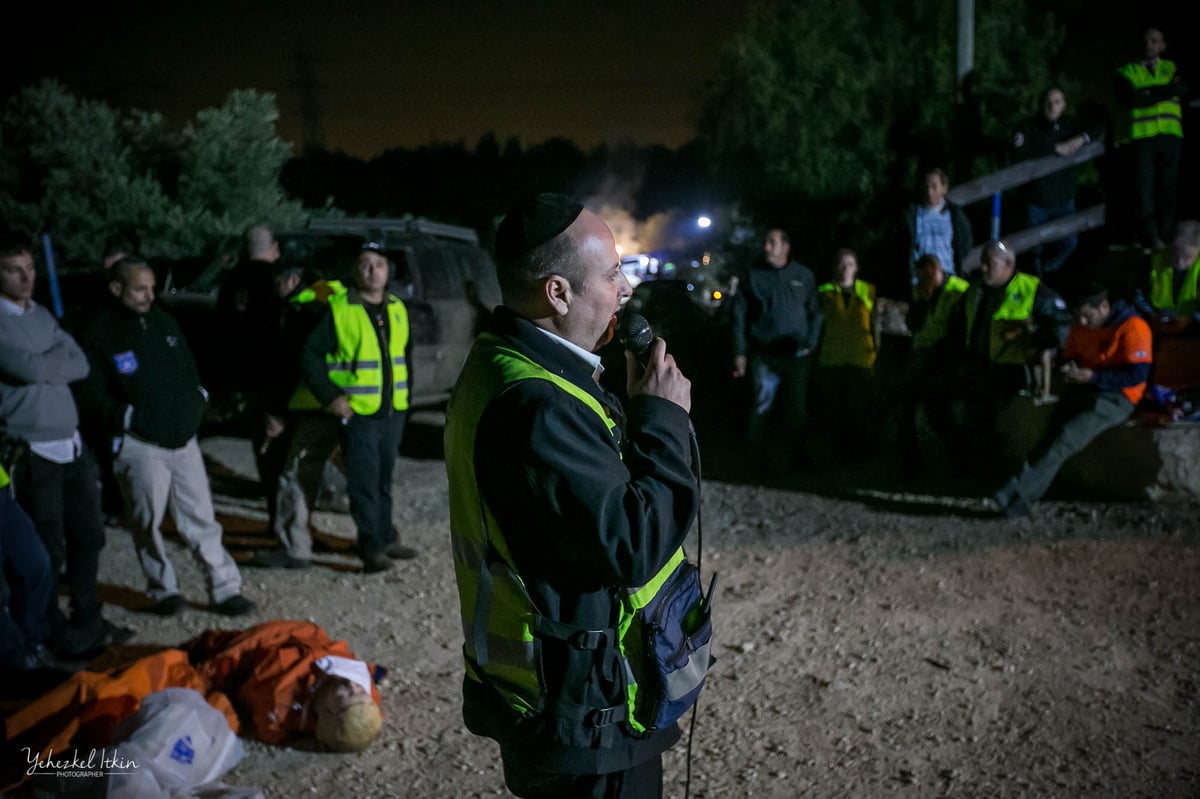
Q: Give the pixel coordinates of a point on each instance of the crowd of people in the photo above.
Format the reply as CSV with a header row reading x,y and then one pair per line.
x,y
569,508
100,414
982,332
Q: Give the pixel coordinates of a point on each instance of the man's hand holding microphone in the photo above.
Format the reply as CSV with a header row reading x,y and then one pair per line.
x,y
650,369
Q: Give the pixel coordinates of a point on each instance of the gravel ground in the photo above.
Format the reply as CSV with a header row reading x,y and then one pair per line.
x,y
870,644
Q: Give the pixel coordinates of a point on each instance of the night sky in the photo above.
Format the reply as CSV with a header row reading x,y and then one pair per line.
x,y
363,77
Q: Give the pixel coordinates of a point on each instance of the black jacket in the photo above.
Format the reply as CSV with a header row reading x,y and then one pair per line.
x,y
777,311
141,361
1036,138
1050,317
578,518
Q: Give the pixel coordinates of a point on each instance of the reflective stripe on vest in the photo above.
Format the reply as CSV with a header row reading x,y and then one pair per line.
x,y
1164,118
498,617
938,320
302,398
356,366
1017,306
1162,286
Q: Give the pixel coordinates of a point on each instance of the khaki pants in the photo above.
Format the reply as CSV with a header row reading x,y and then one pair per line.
x,y
152,479
315,439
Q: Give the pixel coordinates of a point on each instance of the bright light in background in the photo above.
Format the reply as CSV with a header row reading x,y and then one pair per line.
x,y
703,222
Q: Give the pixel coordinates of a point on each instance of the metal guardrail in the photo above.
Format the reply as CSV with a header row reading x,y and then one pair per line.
x,y
1025,240
1018,175
367,226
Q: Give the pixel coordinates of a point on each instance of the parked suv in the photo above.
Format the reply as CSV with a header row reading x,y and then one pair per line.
x,y
446,280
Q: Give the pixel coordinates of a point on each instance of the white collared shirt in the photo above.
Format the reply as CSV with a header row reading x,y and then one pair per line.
x,y
10,308
592,358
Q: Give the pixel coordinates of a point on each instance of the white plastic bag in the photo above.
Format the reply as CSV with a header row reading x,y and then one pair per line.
x,y
177,742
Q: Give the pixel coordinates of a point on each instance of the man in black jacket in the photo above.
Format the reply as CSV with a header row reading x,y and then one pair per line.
x,y
996,337
144,395
1053,132
776,328
577,499
355,363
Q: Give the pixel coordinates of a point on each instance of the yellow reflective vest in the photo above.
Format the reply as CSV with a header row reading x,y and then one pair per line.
x,y
302,398
1014,314
1164,118
847,338
356,366
1162,286
500,623
938,320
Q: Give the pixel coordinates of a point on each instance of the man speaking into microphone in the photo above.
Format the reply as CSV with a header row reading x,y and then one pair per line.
x,y
561,501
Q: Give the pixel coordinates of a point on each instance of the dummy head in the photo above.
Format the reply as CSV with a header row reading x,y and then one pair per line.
x,y
348,719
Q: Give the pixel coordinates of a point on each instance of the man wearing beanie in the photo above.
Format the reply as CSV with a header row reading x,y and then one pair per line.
x,y
561,500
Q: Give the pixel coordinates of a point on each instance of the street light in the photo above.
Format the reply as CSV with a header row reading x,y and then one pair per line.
x,y
703,222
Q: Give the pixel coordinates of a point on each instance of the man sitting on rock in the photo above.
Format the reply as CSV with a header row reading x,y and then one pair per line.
x,y
1108,356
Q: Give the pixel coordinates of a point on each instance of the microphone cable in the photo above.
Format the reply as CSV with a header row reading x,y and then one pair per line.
x,y
698,472
636,335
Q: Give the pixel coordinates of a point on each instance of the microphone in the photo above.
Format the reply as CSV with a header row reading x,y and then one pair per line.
x,y
636,335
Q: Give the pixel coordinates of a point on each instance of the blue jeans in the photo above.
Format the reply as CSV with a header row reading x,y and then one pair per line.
x,y
1050,257
780,414
27,586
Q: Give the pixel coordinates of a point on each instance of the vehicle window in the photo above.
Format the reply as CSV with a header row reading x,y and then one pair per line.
x,y
323,257
475,267
440,278
403,283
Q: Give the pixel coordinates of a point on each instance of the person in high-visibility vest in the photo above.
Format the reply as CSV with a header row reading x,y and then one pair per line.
x,y
298,432
1170,298
846,360
559,500
935,297
1005,322
355,363
1149,91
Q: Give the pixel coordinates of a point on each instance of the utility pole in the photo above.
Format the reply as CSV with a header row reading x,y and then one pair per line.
x,y
966,39
310,109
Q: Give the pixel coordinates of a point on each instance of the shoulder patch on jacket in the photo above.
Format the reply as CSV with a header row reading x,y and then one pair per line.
x,y
126,362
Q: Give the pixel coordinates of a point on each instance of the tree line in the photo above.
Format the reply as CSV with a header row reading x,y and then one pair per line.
x,y
819,116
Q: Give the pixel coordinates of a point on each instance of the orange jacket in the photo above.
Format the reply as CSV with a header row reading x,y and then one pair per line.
x,y
1126,342
84,711
269,671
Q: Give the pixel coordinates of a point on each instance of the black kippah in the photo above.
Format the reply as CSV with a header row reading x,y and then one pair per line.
x,y
535,221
